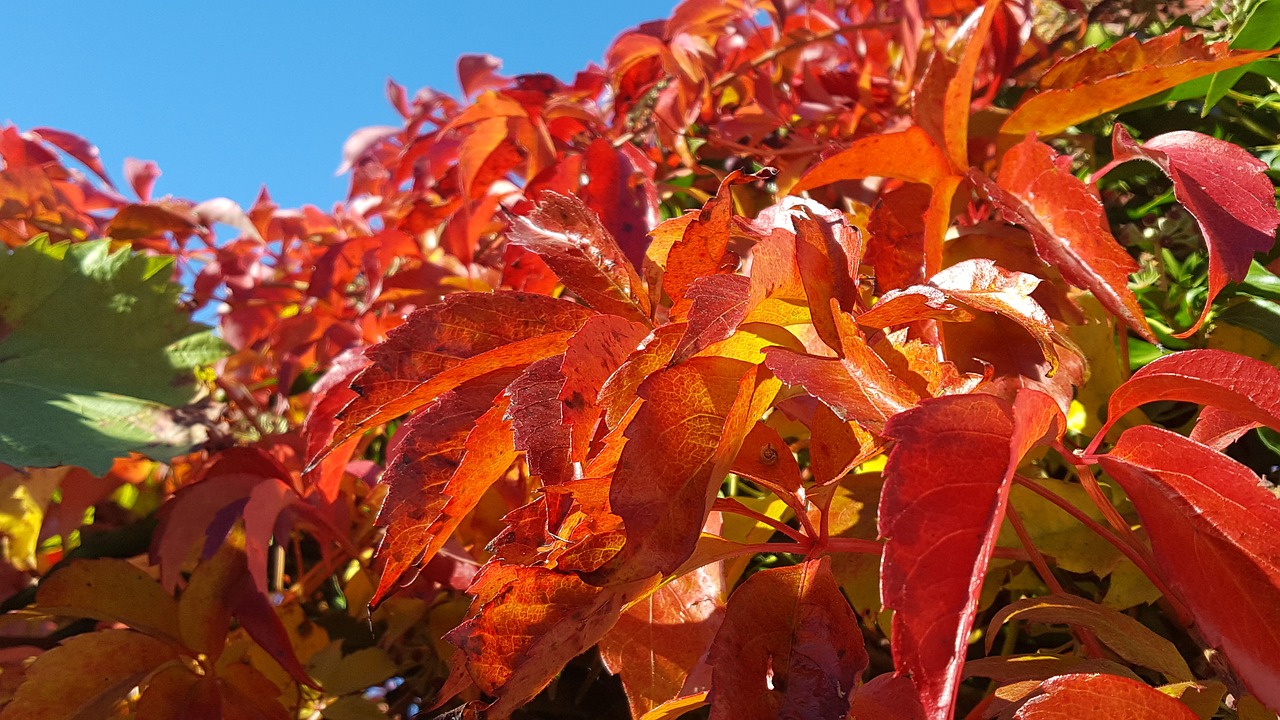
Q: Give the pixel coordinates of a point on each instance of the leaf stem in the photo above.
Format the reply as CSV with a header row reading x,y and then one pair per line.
x,y
734,506
1087,638
1136,555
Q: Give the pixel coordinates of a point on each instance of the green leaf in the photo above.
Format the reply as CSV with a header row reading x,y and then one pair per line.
x,y
94,356
1256,314
1260,282
1261,31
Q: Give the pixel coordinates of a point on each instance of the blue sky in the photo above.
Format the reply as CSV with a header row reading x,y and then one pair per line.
x,y
226,96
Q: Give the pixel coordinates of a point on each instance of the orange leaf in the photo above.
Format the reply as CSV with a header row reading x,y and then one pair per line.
x,y
1095,81
87,675
1068,225
679,447
426,356
660,640
909,155
1086,697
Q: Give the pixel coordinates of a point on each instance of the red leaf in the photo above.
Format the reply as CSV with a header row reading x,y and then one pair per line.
x,y
428,354
940,528
593,354
77,147
895,237
828,252
535,414
141,176
714,306
1068,225
1227,191
887,697
1073,697
451,453
624,197
1214,533
569,237
679,447
661,639
1093,82
477,73
1243,386
526,623
361,142
790,646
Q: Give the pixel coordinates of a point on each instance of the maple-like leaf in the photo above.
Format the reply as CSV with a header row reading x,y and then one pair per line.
x,y
570,238
89,396
1213,530
1068,225
1079,696
440,347
940,524
592,355
1227,191
790,646
1094,81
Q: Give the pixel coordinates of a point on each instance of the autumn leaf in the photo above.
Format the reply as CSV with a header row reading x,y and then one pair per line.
x,y
527,622
1130,639
703,249
1094,81
941,528
111,590
1068,225
660,640
569,237
828,252
909,155
716,305
859,386
1247,388
1213,530
87,675
440,347
790,646
1070,697
679,447
450,454
1227,191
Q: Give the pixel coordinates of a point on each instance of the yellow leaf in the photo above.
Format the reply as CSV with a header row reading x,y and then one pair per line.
x,y
110,589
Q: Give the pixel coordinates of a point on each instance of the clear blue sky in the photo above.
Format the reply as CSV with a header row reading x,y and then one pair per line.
x,y
226,96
